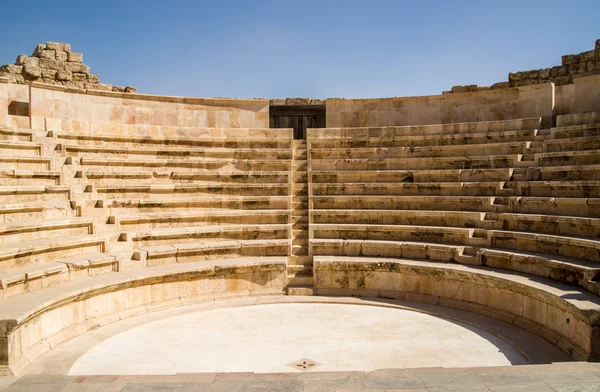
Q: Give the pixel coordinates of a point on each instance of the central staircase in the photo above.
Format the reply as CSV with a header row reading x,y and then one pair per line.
x,y
299,273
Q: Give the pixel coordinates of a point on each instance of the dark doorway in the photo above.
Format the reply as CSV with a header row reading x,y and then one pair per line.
x,y
298,117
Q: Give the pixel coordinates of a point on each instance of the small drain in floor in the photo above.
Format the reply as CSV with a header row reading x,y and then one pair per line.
x,y
304,364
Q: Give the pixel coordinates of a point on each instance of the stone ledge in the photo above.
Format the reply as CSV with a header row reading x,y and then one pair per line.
x,y
32,323
565,315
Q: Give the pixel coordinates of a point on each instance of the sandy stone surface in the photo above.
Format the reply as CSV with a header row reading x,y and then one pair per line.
x,y
267,338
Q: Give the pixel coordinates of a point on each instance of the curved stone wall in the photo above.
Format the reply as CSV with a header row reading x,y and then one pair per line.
x,y
35,324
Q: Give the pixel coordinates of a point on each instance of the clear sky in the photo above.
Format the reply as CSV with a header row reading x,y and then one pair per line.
x,y
308,48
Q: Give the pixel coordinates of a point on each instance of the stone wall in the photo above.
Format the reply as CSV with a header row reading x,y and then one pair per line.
x,y
573,66
72,109
55,63
503,104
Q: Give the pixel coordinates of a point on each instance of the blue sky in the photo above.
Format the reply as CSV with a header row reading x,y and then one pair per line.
x,y
319,49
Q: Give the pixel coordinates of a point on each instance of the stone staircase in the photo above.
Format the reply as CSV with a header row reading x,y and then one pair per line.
x,y
299,273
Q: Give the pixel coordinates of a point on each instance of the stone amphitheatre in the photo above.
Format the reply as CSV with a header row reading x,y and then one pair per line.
x,y
421,242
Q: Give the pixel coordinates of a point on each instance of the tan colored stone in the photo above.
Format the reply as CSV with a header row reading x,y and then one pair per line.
x,y
75,57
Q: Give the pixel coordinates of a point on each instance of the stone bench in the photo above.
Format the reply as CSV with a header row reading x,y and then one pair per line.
x,y
211,250
392,132
140,132
24,231
575,189
572,144
30,177
18,212
392,202
469,150
400,217
16,135
233,138
181,164
548,224
567,132
443,163
118,206
215,153
578,119
40,275
585,207
410,233
50,249
382,176
557,173
145,221
567,158
154,237
416,189
23,149
427,140
193,190
165,176
574,247
32,323
25,163
563,314
563,269
396,249
31,193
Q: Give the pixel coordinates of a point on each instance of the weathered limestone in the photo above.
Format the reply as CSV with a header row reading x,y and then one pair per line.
x,y
54,63
115,204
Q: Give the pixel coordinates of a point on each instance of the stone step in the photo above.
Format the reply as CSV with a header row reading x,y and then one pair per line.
x,y
300,260
300,270
300,280
301,290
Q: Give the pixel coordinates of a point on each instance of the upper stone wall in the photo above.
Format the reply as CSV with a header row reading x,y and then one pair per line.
x,y
54,63
572,66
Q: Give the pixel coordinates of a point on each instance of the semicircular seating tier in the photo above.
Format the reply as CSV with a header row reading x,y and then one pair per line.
x,y
499,217
103,217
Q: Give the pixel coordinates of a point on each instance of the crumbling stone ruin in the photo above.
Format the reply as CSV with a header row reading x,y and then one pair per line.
x,y
572,66
54,63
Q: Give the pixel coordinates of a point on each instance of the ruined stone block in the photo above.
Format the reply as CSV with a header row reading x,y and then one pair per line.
x,y
38,49
75,57
33,61
93,78
31,72
10,68
76,67
79,77
52,64
58,46
118,89
587,56
570,59
49,74
20,59
500,85
130,89
64,76
48,54
61,56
